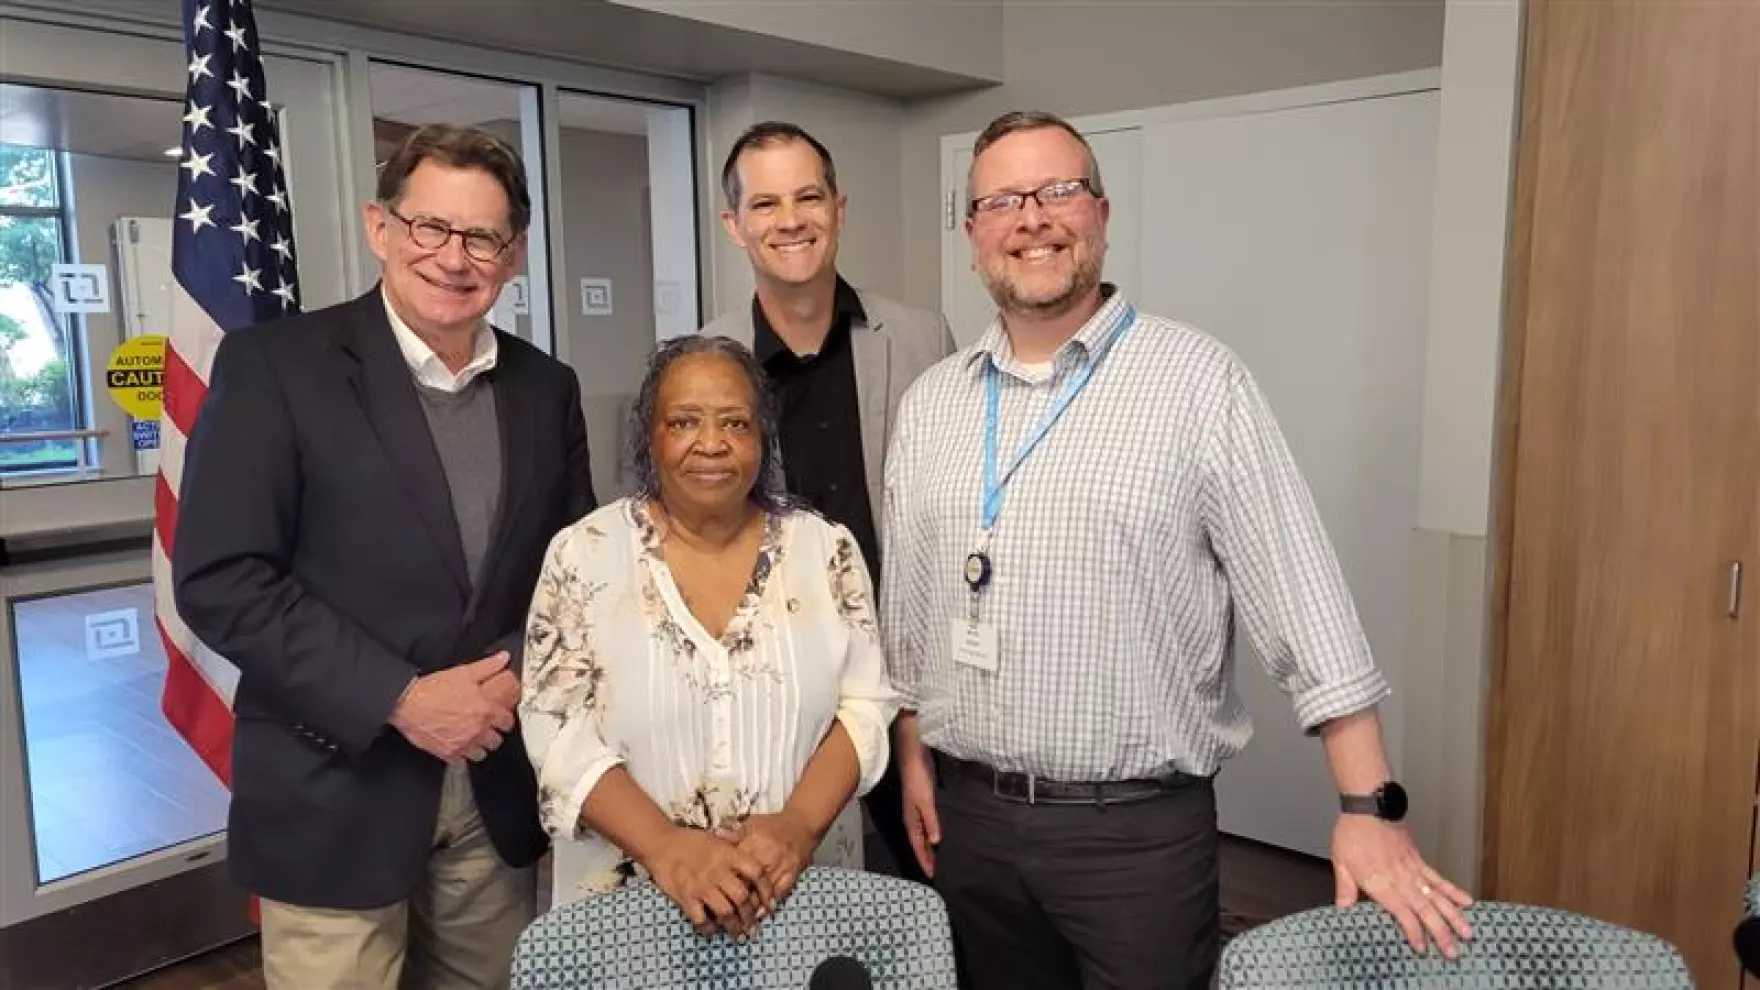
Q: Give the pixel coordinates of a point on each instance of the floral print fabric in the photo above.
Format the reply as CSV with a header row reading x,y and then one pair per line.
x,y
618,671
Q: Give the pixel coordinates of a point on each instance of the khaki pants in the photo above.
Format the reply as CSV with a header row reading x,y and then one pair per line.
x,y
457,932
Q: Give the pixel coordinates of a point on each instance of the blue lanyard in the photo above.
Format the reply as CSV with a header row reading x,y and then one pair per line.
x,y
1078,380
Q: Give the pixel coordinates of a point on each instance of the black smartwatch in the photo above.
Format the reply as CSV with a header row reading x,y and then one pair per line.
x,y
1388,803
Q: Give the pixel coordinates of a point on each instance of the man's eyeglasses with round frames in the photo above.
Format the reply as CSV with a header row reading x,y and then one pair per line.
x,y
1050,196
432,234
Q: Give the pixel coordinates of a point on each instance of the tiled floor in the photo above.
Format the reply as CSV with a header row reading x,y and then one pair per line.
x,y
109,779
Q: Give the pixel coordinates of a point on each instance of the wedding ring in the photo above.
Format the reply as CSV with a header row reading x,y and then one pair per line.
x,y
1424,889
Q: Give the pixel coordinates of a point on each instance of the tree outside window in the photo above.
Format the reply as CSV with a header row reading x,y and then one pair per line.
x,y
36,357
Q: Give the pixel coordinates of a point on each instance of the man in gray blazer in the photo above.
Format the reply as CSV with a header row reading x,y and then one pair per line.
x,y
839,358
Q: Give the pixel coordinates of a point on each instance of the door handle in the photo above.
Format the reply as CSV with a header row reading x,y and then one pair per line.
x,y
1733,602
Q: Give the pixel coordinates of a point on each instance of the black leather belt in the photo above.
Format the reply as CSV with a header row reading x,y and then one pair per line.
x,y
1024,788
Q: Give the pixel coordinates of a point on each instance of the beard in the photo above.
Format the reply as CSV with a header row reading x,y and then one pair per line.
x,y
1011,297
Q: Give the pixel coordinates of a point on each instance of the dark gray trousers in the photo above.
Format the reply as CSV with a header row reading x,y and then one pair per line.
x,y
1061,897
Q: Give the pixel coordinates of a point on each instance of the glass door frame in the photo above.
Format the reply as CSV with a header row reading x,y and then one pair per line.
x,y
704,180
124,57
21,897
361,47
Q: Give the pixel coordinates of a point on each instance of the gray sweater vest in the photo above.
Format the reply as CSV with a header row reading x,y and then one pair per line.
x,y
467,435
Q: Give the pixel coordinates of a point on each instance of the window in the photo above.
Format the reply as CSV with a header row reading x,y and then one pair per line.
x,y
88,180
108,778
38,401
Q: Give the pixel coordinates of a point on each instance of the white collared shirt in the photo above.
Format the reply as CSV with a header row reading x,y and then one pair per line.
x,y
427,366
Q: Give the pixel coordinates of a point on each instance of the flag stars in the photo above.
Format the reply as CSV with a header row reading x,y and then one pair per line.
x,y
250,278
247,185
240,85
245,134
225,94
197,215
197,117
196,165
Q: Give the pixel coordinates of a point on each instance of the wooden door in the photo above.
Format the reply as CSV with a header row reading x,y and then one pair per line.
x,y
1625,702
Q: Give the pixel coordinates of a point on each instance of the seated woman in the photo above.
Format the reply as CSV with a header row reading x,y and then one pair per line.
x,y
703,689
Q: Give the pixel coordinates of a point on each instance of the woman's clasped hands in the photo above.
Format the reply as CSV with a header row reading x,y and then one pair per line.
x,y
732,879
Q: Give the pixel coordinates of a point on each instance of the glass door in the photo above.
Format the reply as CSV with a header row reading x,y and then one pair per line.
x,y
629,275
109,822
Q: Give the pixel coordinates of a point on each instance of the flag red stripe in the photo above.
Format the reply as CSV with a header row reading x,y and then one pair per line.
x,y
164,513
183,391
195,711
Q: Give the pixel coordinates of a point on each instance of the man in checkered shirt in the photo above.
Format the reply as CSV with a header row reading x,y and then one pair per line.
x,y
1081,510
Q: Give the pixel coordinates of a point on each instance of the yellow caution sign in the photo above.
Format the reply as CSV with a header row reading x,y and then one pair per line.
x,y
136,376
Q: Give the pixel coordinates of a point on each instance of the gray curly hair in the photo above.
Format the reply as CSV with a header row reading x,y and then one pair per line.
x,y
769,492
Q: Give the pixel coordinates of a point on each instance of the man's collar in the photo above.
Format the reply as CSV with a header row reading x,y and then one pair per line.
x,y
994,343
846,311
427,366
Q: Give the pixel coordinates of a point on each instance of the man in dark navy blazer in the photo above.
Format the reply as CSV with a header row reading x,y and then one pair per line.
x,y
366,502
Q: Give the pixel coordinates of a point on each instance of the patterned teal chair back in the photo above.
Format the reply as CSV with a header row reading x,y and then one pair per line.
x,y
1514,946
635,939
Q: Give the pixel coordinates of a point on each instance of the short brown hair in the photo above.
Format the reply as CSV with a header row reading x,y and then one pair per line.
x,y
459,147
764,135
1033,120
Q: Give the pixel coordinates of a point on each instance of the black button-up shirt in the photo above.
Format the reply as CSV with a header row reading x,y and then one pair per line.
x,y
821,423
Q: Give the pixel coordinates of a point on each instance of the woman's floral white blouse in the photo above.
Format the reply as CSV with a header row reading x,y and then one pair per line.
x,y
618,671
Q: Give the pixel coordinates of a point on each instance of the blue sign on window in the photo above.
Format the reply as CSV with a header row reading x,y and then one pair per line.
x,y
146,434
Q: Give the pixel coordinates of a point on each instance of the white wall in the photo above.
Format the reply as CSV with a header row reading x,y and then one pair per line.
x,y
729,112
1449,662
861,132
1481,59
1304,248
960,36
1078,57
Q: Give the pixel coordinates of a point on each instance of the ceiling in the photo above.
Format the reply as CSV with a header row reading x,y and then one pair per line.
x,y
131,127
141,129
404,99
616,36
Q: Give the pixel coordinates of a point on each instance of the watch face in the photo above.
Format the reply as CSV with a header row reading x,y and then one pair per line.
x,y
1393,801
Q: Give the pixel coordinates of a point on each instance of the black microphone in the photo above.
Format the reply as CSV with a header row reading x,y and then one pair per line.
x,y
840,973
1747,946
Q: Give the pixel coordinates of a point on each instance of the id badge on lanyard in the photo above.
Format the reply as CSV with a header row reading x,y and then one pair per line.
x,y
974,639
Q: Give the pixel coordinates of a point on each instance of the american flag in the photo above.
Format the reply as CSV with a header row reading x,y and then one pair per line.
x,y
233,261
